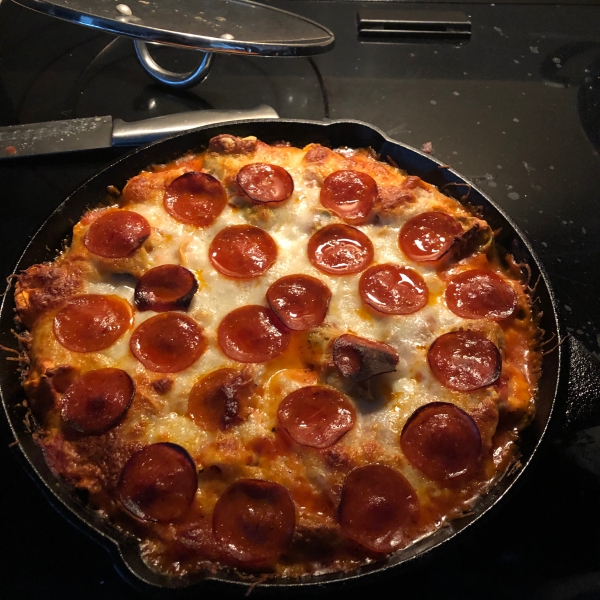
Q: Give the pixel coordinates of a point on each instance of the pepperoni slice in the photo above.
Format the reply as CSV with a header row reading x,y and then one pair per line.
x,y
97,400
195,199
350,195
316,416
393,290
378,506
92,322
254,521
481,294
252,334
428,236
242,251
340,250
158,483
168,287
300,301
359,358
168,343
465,361
442,441
264,183
117,234
216,400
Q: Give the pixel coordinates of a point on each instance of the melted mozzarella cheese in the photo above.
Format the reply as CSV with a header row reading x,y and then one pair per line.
x,y
381,410
291,225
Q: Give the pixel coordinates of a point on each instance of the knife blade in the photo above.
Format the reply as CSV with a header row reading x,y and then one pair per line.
x,y
90,133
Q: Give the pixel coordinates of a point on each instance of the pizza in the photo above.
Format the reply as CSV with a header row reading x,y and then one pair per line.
x,y
279,361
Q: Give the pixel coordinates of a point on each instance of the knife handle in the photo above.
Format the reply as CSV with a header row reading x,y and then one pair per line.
x,y
149,130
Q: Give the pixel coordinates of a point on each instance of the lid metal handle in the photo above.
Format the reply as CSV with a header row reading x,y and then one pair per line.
x,y
179,80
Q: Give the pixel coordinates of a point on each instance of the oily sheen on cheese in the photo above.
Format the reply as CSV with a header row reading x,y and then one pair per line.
x,y
272,455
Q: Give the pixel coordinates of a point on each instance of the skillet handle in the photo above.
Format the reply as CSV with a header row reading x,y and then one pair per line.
x,y
583,397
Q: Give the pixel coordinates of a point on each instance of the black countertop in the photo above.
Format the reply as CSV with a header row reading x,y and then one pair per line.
x,y
516,109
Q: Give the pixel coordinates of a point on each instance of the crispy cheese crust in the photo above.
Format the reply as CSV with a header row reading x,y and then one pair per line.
x,y
257,447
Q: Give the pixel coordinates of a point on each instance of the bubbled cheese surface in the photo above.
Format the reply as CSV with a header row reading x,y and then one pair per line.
x,y
382,406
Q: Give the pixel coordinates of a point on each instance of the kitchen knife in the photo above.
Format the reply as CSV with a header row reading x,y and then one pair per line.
x,y
104,132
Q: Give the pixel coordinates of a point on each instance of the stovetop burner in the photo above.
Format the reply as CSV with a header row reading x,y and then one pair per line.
x,y
101,76
515,107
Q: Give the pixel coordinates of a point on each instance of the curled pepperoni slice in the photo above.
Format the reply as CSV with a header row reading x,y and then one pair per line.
x,y
350,195
252,334
340,250
216,400
158,483
442,441
117,234
465,361
254,521
300,301
242,251
359,358
316,416
428,236
480,294
92,322
378,506
168,343
168,287
393,290
264,183
97,400
195,199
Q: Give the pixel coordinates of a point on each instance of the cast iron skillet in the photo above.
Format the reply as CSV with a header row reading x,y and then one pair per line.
x,y
50,237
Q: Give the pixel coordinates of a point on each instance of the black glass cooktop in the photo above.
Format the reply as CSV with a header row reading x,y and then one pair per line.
x,y
514,106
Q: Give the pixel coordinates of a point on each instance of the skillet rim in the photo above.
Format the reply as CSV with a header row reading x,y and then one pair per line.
x,y
122,546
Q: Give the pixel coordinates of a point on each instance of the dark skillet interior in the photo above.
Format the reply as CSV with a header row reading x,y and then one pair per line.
x,y
46,243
